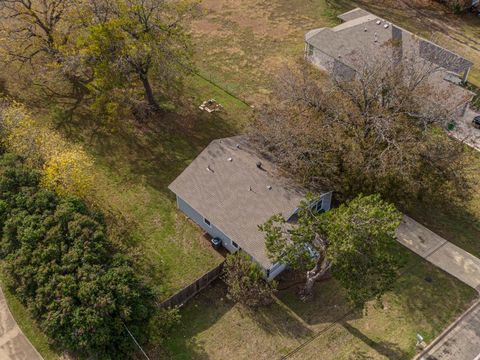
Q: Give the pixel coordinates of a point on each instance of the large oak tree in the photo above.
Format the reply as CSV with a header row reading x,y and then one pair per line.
x,y
355,241
103,54
380,132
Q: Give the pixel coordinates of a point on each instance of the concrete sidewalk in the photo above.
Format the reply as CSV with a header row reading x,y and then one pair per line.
x,y
460,341
14,345
441,253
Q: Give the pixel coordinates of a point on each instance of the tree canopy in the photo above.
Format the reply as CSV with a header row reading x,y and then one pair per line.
x,y
379,132
355,241
245,281
133,40
99,54
60,264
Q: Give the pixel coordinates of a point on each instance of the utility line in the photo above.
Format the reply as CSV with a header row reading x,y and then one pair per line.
x,y
301,346
135,341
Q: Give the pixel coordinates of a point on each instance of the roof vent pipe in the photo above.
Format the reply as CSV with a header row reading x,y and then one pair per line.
x,y
259,164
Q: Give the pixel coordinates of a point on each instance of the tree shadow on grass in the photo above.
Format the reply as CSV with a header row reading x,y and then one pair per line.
x,y
327,305
198,315
385,348
207,310
276,319
157,152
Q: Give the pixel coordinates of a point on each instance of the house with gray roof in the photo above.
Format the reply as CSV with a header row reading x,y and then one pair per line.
x,y
338,51
230,189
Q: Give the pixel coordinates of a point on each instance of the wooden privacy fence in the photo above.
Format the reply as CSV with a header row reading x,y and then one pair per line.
x,y
193,289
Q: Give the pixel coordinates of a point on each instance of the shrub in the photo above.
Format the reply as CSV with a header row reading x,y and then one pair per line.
x,y
162,323
60,264
66,167
245,281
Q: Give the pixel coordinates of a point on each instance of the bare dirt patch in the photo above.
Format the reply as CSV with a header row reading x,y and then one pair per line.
x,y
208,27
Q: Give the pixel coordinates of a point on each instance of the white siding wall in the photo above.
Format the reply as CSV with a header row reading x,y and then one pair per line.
x,y
212,230
276,269
320,59
327,201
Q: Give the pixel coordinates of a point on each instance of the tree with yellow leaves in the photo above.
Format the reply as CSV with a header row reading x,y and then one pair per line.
x,y
66,168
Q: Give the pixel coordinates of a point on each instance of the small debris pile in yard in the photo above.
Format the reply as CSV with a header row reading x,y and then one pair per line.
x,y
210,106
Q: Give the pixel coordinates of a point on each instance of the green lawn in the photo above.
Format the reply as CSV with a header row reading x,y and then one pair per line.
x,y
134,164
215,328
242,45
246,43
28,326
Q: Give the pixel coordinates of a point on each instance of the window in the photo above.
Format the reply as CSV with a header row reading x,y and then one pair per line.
x,y
206,221
317,207
234,244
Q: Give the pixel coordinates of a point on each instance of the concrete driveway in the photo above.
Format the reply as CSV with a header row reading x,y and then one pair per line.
x,y
13,344
466,132
441,253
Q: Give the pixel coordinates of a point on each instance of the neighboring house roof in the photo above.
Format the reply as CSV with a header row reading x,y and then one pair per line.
x,y
225,185
353,14
364,34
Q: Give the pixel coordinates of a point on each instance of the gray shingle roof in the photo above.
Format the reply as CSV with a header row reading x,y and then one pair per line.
x,y
235,195
355,39
353,14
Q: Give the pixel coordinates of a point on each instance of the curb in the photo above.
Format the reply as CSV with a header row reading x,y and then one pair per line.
x,y
447,331
40,357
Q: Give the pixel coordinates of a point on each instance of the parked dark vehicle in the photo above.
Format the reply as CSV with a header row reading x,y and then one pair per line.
x,y
476,122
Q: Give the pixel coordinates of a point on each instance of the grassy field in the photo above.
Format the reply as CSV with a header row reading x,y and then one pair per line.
x,y
134,166
215,328
241,45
